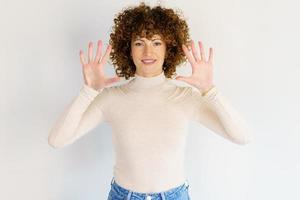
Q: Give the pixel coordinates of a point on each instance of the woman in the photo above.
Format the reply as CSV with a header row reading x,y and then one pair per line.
x,y
149,114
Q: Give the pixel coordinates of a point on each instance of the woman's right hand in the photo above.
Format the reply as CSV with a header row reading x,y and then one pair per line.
x,y
93,70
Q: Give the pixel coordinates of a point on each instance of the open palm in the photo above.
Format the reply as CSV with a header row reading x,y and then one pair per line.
x,y
202,69
93,70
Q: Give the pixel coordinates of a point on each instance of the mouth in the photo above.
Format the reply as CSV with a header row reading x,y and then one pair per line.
x,y
148,61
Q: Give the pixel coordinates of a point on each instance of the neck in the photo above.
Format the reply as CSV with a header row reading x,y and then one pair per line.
x,y
148,75
148,82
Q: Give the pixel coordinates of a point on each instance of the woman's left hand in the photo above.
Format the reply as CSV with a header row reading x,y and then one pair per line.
x,y
202,70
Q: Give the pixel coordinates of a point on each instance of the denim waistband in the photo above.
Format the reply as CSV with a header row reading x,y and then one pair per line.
x,y
164,194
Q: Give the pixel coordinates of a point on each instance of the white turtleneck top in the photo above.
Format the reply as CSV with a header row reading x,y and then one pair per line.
x,y
149,119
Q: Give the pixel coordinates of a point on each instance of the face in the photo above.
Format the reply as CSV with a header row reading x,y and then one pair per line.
x,y
148,55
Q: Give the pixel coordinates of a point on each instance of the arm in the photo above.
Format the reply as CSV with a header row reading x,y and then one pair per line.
x,y
85,112
212,109
215,112
79,117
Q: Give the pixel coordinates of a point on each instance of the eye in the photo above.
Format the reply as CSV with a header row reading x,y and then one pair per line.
x,y
137,44
157,43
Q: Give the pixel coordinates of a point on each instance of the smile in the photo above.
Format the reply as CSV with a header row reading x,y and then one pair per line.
x,y
148,61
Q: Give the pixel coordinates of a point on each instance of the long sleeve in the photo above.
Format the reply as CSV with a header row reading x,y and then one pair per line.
x,y
215,112
79,117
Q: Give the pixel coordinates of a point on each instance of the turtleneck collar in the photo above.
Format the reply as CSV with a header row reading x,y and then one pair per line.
x,y
148,82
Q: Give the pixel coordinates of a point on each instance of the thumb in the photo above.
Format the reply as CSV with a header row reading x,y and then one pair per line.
x,y
182,78
116,78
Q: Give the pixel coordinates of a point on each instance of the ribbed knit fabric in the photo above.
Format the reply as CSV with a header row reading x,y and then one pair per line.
x,y
149,119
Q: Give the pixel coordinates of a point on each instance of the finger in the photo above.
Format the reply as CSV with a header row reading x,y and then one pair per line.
x,y
202,52
195,52
82,59
90,54
113,79
210,58
183,78
106,55
189,45
188,55
99,51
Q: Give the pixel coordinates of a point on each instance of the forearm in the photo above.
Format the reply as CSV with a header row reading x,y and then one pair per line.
x,y
234,126
66,128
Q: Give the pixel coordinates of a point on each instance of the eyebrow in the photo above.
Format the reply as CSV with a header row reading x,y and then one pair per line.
x,y
151,40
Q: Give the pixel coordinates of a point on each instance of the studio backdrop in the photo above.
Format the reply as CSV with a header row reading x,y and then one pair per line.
x,y
256,66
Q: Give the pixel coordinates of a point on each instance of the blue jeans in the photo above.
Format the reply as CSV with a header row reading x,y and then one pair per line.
x,y
117,192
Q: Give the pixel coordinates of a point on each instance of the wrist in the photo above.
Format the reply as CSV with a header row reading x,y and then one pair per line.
x,y
207,89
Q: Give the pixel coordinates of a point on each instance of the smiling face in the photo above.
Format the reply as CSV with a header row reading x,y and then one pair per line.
x,y
148,55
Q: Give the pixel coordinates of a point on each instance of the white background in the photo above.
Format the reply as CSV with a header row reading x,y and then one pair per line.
x,y
256,66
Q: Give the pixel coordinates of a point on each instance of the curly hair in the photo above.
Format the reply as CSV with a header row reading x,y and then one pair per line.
x,y
144,21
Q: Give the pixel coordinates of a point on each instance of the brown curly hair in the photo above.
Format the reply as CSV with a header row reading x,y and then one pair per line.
x,y
145,21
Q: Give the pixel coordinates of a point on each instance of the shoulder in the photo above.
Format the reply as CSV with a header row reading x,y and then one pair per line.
x,y
182,92
117,90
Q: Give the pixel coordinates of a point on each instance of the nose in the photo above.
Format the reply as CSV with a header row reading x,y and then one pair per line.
x,y
148,49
